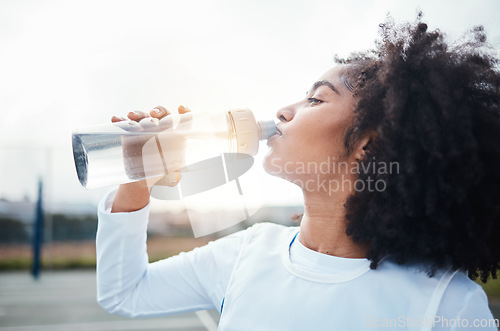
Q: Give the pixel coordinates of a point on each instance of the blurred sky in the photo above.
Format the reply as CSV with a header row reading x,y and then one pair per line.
x,y
67,64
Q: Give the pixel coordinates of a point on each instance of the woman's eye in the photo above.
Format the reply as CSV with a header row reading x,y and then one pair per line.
x,y
314,101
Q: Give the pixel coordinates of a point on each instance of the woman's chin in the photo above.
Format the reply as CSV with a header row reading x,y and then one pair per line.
x,y
271,164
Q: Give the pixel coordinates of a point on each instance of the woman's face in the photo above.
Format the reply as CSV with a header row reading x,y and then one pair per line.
x,y
311,131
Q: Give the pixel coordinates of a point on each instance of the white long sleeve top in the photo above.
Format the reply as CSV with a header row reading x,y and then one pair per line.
x,y
262,278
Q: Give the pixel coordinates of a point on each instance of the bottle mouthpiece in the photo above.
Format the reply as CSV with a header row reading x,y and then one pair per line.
x,y
267,129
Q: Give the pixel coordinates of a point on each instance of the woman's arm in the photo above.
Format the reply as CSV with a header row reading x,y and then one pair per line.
x,y
131,197
129,285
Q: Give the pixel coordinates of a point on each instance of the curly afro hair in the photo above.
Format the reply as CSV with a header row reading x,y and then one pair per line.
x,y
433,107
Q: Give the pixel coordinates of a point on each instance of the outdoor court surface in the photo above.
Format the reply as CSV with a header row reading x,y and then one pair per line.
x,y
66,300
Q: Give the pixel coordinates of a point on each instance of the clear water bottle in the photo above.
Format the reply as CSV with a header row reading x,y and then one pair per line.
x,y
127,151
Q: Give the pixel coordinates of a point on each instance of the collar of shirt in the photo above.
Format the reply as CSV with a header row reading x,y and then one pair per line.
x,y
309,264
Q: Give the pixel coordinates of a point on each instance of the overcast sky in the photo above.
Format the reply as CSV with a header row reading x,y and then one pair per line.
x,y
67,64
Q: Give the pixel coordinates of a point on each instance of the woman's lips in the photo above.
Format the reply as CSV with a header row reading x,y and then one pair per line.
x,y
274,136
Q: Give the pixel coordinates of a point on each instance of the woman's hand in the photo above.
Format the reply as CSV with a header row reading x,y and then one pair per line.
x,y
134,196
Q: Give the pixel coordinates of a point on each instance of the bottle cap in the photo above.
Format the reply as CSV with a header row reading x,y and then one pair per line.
x,y
249,131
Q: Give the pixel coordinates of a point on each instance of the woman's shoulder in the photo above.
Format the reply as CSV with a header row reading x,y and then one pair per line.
x,y
264,230
465,290
463,284
269,226
264,234
456,285
260,232
464,299
456,278
450,294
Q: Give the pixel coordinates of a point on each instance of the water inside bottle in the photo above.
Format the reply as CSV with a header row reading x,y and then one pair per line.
x,y
104,158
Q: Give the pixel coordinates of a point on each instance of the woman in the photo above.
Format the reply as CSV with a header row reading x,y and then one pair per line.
x,y
396,152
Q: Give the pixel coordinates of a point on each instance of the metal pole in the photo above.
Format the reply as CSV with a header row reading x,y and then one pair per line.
x,y
38,233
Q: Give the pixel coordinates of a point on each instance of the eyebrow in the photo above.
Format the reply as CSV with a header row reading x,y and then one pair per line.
x,y
324,83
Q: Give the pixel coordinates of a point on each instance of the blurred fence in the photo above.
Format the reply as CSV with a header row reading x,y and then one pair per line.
x,y
70,220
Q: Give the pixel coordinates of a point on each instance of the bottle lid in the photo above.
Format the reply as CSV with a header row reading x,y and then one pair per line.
x,y
249,131
267,129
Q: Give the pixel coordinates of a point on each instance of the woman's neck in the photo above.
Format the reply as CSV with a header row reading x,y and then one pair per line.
x,y
323,226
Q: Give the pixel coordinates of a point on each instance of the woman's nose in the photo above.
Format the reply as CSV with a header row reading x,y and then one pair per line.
x,y
285,114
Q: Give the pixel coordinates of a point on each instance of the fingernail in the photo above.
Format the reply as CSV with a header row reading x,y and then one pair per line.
x,y
138,113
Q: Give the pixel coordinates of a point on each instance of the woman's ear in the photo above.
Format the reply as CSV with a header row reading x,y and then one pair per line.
x,y
362,146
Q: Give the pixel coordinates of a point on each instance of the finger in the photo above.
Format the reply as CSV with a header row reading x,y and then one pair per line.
x,y
117,119
137,115
159,112
149,123
182,110
131,126
173,178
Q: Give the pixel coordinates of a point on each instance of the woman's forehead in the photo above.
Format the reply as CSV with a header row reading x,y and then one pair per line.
x,y
333,74
337,77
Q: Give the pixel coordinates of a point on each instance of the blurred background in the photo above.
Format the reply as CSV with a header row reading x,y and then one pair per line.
x,y
70,64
